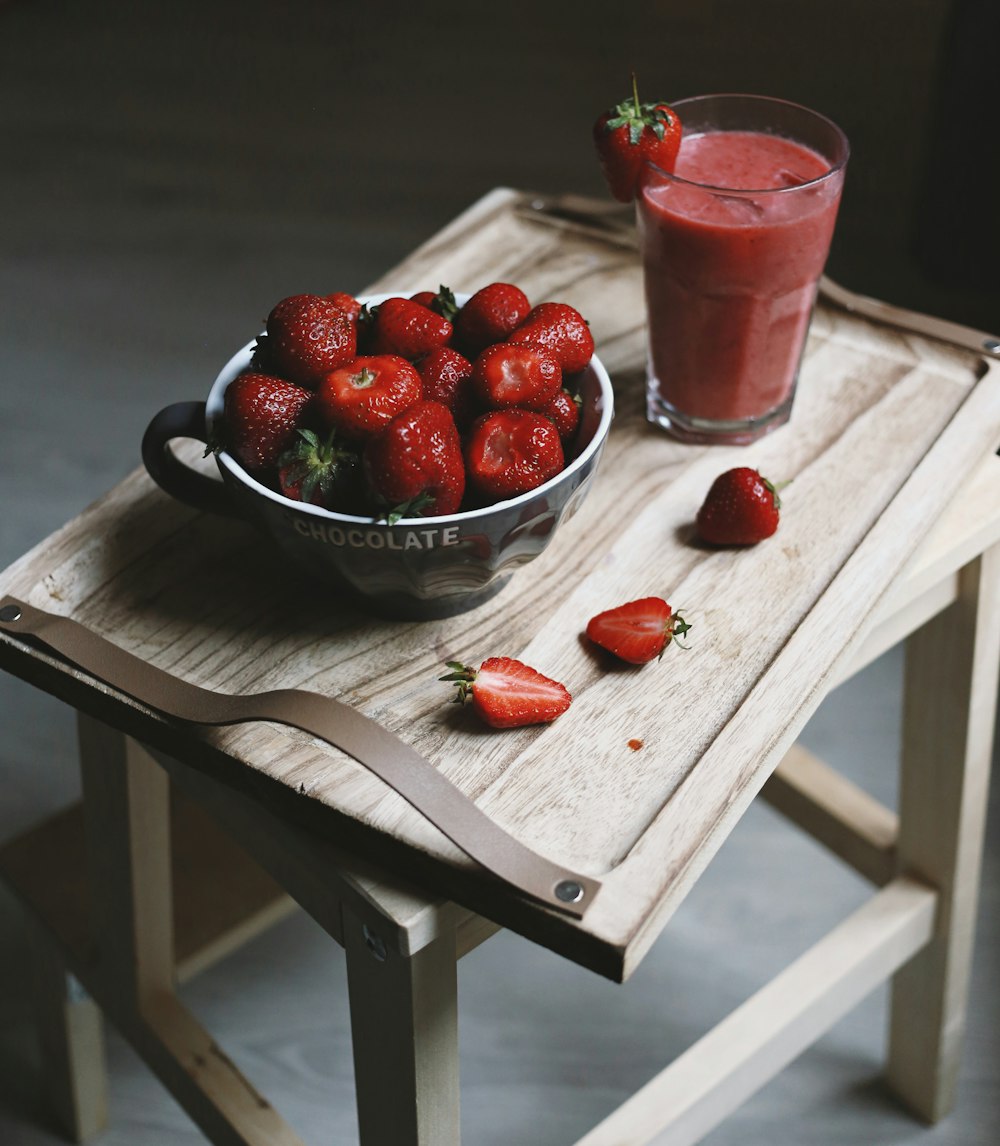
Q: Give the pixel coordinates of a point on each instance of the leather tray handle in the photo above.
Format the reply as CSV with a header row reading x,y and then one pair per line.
x,y
382,752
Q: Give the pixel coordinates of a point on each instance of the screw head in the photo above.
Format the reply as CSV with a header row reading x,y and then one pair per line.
x,y
375,944
569,891
992,345
10,613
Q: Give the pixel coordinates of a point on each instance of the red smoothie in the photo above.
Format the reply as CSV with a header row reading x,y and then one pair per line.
x,y
733,247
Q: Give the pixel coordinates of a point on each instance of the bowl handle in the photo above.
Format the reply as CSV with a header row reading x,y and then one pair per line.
x,y
182,420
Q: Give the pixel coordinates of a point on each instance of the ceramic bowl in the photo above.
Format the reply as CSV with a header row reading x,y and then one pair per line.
x,y
417,568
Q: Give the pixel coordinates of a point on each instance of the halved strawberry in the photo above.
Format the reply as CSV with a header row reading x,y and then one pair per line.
x,y
307,336
507,693
506,375
509,452
361,398
414,466
491,315
261,415
638,631
404,327
560,329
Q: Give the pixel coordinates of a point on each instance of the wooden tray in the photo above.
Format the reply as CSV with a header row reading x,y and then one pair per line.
x,y
640,782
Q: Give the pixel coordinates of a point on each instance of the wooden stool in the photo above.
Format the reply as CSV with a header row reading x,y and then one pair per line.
x,y
166,866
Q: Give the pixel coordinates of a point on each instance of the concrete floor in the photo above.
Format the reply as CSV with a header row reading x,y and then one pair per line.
x,y
168,172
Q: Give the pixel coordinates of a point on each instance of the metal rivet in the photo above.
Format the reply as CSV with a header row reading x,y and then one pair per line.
x,y
10,613
374,944
991,345
569,891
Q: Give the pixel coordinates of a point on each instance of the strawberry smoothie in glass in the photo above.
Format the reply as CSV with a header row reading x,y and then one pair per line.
x,y
733,243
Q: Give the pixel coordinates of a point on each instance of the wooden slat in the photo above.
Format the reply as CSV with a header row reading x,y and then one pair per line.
x,y
708,1082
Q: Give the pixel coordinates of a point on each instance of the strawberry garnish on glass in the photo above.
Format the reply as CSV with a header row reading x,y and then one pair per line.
x,y
507,693
630,135
638,631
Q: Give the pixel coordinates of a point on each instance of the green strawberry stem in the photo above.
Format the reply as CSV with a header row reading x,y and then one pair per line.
x,y
462,677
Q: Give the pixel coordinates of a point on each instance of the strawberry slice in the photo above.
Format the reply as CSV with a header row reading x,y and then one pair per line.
x,y
638,631
507,693
741,508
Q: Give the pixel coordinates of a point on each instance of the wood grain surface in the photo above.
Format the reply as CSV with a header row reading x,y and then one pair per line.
x,y
887,426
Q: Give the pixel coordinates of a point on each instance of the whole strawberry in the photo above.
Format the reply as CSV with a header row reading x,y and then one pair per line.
x,y
307,336
564,410
507,693
404,327
347,303
445,374
511,374
631,134
491,315
509,452
323,472
639,631
561,330
261,416
442,301
360,399
741,508
414,466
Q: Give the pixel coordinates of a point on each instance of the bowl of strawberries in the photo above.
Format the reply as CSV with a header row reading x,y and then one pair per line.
x,y
411,450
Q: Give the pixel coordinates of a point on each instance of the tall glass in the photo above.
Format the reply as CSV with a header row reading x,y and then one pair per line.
x,y
733,245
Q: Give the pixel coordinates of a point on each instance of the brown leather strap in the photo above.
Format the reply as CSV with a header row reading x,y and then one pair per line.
x,y
379,750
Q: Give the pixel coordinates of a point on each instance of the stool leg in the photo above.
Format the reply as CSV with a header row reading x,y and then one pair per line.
x,y
126,799
71,1034
949,710
404,1023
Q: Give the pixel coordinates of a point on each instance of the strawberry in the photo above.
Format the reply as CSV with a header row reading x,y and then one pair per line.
x,y
442,303
637,631
347,303
406,328
261,417
307,336
445,374
491,315
509,452
507,693
361,398
629,136
514,375
560,329
741,508
415,465
564,410
322,472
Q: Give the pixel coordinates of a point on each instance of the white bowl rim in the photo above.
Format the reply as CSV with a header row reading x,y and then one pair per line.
x,y
241,359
